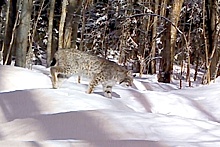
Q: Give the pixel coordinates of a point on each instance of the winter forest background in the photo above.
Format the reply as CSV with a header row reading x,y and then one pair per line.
x,y
139,34
171,46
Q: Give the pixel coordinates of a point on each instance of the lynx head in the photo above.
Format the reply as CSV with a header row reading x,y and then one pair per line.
x,y
127,78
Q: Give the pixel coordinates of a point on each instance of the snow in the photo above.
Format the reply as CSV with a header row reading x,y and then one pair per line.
x,y
151,114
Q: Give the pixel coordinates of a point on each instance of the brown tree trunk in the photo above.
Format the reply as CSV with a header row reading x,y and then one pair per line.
x,y
165,69
50,32
212,38
154,35
22,33
10,22
124,36
206,77
71,22
30,53
61,25
169,41
84,6
77,8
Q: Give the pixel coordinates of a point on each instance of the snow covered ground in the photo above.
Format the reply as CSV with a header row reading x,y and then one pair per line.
x,y
149,114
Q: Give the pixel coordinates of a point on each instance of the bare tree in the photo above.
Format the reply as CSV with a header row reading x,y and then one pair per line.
x,y
169,40
50,31
10,24
154,35
72,22
23,32
30,53
213,54
84,7
62,22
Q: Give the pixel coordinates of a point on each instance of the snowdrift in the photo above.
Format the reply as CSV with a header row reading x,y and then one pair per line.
x,y
32,114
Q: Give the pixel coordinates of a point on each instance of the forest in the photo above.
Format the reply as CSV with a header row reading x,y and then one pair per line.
x,y
146,36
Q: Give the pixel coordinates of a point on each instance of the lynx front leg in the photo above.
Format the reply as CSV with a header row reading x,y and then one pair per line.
x,y
54,71
107,89
79,79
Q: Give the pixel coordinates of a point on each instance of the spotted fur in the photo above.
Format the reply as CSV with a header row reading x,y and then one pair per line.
x,y
99,70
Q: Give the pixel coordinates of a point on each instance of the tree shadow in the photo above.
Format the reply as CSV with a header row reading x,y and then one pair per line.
x,y
154,86
78,125
97,90
128,143
203,110
18,104
1,136
94,127
44,71
142,99
114,94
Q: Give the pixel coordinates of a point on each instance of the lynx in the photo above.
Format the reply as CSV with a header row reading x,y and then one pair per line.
x,y
99,70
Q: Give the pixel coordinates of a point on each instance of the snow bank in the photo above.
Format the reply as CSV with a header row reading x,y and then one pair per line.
x,y
148,114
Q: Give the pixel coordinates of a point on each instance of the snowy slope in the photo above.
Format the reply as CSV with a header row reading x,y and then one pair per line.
x,y
147,114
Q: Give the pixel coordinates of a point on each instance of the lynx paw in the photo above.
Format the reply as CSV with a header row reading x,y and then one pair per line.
x,y
89,91
108,94
55,85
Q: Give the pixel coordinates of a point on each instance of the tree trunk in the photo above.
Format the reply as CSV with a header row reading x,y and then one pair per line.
x,y
212,29
169,41
50,32
206,76
84,6
62,22
68,25
22,33
124,36
10,22
165,69
210,37
72,22
30,53
154,35
163,6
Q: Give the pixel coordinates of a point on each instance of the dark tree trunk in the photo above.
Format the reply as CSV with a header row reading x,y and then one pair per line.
x,y
22,33
169,42
11,17
50,32
165,69
211,9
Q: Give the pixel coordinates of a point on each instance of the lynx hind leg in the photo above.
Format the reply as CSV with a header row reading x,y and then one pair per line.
x,y
93,83
54,72
79,79
107,89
